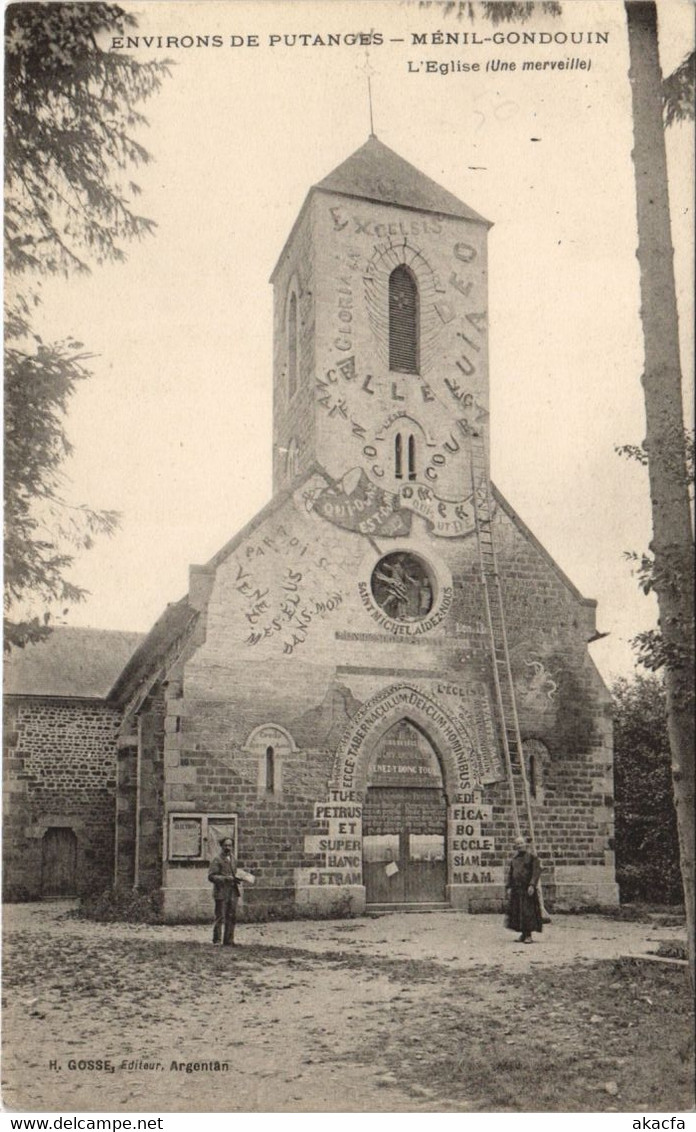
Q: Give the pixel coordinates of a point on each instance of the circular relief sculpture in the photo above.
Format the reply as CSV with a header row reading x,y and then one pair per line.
x,y
402,586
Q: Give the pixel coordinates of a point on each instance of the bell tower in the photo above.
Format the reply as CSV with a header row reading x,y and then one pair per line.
x,y
380,331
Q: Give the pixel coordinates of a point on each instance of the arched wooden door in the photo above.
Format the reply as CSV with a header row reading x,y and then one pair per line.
x,y
58,862
405,821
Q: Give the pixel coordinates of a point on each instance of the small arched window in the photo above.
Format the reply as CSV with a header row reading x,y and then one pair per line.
x,y
536,760
411,457
533,784
270,745
270,770
292,345
403,320
404,456
398,457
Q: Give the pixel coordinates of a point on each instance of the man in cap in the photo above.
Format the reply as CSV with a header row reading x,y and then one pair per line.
x,y
522,891
223,876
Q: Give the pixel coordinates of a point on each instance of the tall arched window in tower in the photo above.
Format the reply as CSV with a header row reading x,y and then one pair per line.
x,y
403,320
292,345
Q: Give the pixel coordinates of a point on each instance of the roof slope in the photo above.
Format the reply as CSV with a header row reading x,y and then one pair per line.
x,y
531,537
376,172
154,648
75,663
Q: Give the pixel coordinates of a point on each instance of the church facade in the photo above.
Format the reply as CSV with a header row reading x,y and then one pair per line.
x,y
327,693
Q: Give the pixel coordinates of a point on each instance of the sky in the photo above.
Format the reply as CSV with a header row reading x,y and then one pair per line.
x,y
174,428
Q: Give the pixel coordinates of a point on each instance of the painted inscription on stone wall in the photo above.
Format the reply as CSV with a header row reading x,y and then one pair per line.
x,y
456,718
355,387
262,737
446,518
357,504
469,848
283,585
475,704
450,732
344,315
340,849
405,758
405,628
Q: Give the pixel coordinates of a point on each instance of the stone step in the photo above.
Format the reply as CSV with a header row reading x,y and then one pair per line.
x,y
431,906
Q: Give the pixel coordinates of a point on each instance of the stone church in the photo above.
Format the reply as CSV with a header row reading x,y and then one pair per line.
x,y
384,677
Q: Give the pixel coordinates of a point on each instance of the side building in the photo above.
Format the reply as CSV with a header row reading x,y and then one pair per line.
x,y
59,764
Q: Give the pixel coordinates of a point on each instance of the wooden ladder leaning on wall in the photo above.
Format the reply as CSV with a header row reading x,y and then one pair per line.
x,y
497,636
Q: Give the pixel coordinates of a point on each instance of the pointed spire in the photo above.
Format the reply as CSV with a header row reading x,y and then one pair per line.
x,y
375,172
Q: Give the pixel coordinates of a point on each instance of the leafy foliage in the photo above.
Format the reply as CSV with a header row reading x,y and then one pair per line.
x,y
651,649
497,11
678,92
126,905
70,122
69,139
120,904
647,848
40,525
502,11
655,654
682,450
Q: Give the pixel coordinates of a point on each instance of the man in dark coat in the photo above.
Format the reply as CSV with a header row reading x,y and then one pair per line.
x,y
223,876
522,891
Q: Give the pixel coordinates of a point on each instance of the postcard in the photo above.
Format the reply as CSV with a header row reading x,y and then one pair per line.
x,y
325,338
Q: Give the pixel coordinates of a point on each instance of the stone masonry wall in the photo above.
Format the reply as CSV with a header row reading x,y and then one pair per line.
x,y
59,771
293,414
151,732
255,668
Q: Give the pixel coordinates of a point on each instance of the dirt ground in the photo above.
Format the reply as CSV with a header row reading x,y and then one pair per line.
x,y
422,1012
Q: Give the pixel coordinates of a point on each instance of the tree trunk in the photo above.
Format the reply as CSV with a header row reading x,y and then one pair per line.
x,y
672,541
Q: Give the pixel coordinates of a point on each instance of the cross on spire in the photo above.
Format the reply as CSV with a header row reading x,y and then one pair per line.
x,y
369,71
